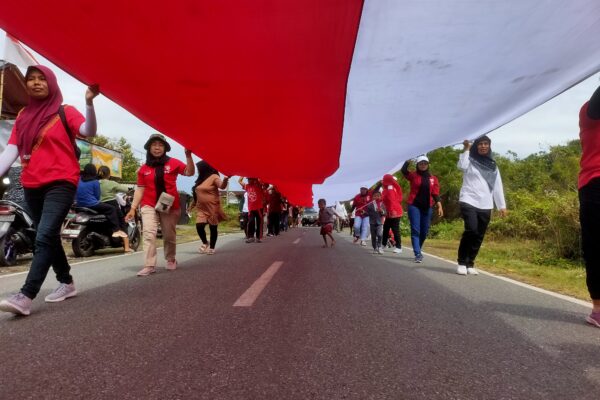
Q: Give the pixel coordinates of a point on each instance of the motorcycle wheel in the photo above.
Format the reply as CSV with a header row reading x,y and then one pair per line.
x,y
82,246
135,240
8,252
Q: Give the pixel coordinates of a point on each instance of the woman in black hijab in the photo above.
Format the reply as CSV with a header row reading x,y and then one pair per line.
x,y
207,203
481,189
156,186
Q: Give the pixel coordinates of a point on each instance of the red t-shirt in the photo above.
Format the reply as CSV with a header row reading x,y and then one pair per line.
x,y
255,196
53,157
589,134
275,202
415,185
360,202
146,175
392,197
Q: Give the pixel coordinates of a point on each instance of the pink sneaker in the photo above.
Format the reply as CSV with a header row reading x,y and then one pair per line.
x,y
17,304
594,319
146,271
172,265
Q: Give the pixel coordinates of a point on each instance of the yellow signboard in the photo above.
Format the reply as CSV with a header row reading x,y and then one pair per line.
x,y
98,155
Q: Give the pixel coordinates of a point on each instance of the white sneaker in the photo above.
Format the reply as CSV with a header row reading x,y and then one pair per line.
x,y
62,292
363,243
461,270
472,271
397,250
380,250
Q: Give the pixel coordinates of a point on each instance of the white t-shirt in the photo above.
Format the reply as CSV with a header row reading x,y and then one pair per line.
x,y
245,207
475,190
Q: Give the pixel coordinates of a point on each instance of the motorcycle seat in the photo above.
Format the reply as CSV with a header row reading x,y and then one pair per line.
x,y
85,210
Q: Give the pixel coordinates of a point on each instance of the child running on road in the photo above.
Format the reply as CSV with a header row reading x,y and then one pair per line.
x,y
326,221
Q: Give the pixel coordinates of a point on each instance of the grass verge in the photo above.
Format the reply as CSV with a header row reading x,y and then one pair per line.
x,y
524,261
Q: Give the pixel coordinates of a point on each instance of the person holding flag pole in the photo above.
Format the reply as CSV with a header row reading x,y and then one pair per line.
x,y
44,138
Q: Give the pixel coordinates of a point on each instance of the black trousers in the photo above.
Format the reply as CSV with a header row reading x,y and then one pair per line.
x,y
476,223
120,215
111,214
274,223
48,206
201,229
255,224
393,223
589,217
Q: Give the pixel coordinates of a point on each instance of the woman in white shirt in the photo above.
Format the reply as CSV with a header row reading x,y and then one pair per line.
x,y
481,189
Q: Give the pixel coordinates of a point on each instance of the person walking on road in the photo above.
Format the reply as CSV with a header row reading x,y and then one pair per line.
x,y
207,202
44,138
376,212
481,189
424,195
156,188
589,199
255,192
392,200
361,219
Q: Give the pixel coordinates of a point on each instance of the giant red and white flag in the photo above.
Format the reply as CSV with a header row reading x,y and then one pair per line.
x,y
12,51
301,92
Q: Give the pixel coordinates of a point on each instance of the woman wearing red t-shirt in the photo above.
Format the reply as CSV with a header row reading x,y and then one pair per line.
x,y
589,199
159,175
45,141
255,190
424,194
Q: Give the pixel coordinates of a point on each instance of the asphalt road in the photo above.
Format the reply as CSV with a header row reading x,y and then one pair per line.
x,y
335,323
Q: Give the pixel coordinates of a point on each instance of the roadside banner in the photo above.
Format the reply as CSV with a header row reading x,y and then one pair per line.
x,y
98,155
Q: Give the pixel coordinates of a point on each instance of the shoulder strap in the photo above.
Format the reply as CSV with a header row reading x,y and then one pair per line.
x,y
63,118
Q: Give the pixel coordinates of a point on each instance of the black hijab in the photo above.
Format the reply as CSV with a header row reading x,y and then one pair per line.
x,y
158,163
485,164
89,173
422,199
204,171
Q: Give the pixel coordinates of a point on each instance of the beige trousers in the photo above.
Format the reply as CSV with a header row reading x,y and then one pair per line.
x,y
168,224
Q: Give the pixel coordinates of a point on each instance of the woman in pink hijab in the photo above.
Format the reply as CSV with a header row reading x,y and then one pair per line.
x,y
43,138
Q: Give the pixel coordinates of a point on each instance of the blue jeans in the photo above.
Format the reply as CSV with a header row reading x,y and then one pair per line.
x,y
48,205
419,227
361,227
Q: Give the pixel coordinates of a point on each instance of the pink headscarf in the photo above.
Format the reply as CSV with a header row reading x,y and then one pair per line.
x,y
38,113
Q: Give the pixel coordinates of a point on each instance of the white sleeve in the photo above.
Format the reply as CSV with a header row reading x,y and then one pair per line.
x,y
8,157
463,161
88,128
498,192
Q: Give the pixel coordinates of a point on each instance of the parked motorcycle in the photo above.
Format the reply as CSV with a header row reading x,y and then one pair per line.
x,y
17,233
90,231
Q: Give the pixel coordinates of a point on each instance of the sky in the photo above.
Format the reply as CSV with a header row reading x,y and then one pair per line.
x,y
553,123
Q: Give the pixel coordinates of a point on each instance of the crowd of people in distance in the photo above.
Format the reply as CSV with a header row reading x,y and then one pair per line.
x,y
43,138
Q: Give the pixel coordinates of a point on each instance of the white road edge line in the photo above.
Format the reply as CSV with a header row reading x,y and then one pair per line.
x,y
249,297
95,259
524,285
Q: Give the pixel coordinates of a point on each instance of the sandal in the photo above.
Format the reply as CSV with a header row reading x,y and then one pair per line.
x,y
202,249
